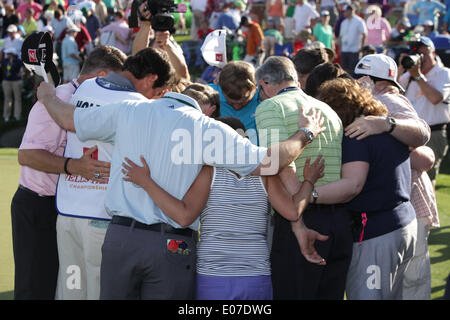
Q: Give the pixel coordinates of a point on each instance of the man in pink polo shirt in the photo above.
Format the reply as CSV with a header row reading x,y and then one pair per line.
x,y
37,8
33,210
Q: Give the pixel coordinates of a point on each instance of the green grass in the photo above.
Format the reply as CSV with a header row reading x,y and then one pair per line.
x,y
439,241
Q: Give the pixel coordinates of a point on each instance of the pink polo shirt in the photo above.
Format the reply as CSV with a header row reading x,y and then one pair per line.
x,y
43,133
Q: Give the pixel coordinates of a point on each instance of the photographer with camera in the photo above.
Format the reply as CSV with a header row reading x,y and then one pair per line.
x,y
154,16
427,86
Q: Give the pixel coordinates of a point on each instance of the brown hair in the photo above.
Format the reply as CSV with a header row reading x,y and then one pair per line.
x,y
349,100
237,79
204,94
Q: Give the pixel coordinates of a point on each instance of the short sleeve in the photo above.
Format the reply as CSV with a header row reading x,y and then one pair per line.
x,y
270,123
355,150
97,123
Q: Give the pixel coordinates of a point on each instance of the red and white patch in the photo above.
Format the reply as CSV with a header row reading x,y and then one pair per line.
x,y
391,73
219,57
32,55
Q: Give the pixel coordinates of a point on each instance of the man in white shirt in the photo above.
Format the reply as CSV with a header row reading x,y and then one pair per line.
x,y
351,39
427,86
13,40
304,16
198,8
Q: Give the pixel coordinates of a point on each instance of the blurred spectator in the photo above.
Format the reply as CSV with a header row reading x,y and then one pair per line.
x,y
237,10
304,16
204,30
226,19
29,4
13,39
330,6
257,10
92,24
59,23
70,54
29,24
255,41
198,8
12,84
289,19
121,31
429,30
368,49
9,18
52,5
378,28
400,32
275,10
214,8
323,31
110,6
341,4
101,11
353,33
45,20
272,36
428,10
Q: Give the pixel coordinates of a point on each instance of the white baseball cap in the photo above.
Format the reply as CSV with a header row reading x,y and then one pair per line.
x,y
214,49
380,66
11,28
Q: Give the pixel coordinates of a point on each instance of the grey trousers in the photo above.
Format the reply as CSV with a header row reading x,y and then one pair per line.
x,y
378,265
12,91
138,265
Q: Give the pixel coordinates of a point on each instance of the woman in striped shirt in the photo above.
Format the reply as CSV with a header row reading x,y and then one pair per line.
x,y
233,255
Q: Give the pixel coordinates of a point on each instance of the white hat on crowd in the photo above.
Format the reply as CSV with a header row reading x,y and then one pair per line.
x,y
11,28
379,66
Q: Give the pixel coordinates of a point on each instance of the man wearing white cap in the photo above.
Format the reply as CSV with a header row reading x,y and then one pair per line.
x,y
13,40
407,127
70,54
352,36
427,86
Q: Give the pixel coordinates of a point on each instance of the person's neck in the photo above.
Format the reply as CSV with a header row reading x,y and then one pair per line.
x,y
284,85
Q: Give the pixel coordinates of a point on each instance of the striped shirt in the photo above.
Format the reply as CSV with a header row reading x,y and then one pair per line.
x,y
279,114
233,227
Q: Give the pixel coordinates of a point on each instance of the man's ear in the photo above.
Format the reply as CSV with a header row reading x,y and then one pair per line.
x,y
210,110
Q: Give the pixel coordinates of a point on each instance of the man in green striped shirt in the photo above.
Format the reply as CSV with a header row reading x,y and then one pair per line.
x,y
293,276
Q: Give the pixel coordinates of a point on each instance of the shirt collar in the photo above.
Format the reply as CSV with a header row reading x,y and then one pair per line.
x,y
182,98
118,82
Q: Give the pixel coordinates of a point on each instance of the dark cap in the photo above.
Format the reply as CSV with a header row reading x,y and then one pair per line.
x,y
349,7
37,54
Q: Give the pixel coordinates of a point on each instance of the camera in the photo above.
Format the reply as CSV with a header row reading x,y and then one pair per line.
x,y
413,56
411,60
161,18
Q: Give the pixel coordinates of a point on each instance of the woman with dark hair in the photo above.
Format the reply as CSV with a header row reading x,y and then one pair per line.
x,y
376,185
320,74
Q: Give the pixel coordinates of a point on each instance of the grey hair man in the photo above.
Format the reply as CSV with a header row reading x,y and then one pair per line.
x,y
293,274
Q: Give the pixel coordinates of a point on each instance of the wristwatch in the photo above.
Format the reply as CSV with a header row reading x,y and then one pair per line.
x,y
392,123
420,76
315,195
308,133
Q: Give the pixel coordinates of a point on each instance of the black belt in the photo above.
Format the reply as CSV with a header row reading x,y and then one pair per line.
x,y
158,227
21,187
438,127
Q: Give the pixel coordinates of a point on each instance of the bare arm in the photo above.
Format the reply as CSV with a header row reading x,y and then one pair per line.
x,y
43,160
142,37
422,158
354,175
60,111
407,131
184,211
291,207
